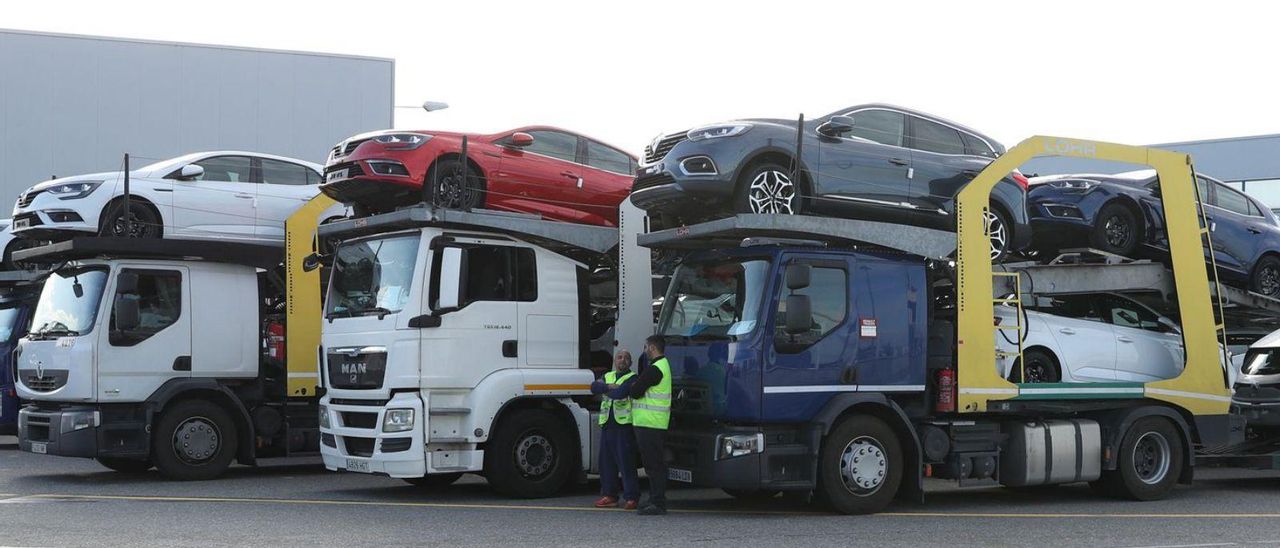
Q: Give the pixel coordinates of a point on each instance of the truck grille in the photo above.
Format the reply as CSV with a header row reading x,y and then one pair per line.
x,y
360,371
46,381
359,420
359,447
656,153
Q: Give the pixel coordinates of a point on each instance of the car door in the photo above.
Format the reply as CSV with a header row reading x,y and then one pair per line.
x,y
607,178
864,171
539,176
1146,350
1235,221
219,203
285,187
940,166
1086,343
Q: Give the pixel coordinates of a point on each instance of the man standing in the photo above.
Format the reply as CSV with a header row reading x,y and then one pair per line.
x,y
650,415
617,442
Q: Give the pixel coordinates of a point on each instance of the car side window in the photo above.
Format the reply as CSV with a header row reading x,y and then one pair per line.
x,y
1072,306
1125,313
882,126
828,292
975,146
1232,200
555,144
1203,186
275,172
226,169
934,137
159,298
608,158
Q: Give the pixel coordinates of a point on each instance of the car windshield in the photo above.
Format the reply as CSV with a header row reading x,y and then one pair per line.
x,y
714,299
372,277
1261,361
68,303
8,320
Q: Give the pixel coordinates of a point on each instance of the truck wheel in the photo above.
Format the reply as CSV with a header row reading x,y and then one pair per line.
x,y
434,481
531,455
125,466
861,466
194,440
1150,462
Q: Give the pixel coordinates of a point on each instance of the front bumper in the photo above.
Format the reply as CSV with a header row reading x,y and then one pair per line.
x,y
785,463
53,432
355,442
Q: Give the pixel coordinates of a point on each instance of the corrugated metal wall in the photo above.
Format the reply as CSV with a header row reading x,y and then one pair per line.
x,y
1235,159
76,104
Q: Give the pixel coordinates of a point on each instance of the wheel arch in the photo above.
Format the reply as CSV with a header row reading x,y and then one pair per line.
x,y
139,200
881,407
554,404
471,163
778,156
1139,218
1116,424
210,390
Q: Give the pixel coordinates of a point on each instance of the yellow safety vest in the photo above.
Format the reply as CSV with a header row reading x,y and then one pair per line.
x,y
621,408
654,409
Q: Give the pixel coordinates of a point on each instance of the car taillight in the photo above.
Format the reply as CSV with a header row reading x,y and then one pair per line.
x,y
1021,180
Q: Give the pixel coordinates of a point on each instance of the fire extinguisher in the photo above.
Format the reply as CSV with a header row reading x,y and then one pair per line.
x,y
275,341
946,391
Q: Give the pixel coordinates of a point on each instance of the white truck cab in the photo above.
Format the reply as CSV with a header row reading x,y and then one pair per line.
x,y
465,342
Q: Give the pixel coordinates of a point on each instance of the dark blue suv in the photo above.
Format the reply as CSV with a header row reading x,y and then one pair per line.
x,y
875,162
1122,214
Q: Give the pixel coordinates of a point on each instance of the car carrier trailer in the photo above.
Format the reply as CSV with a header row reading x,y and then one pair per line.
x,y
852,360
179,354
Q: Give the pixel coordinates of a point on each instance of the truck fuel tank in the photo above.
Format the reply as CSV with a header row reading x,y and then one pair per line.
x,y
1051,451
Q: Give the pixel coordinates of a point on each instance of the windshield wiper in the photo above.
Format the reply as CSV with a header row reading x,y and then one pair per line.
x,y
380,311
54,332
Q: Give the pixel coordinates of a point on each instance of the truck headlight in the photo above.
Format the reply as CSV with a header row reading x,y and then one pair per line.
x,y
397,420
737,445
78,420
324,417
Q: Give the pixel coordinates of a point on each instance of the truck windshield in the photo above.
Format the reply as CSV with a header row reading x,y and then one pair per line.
x,y
372,277
68,303
714,300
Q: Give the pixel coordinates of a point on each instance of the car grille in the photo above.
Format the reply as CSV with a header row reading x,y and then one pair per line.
x,y
45,381
27,197
346,148
357,371
656,153
652,181
360,447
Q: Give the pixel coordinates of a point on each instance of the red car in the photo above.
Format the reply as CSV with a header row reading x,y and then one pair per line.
x,y
544,170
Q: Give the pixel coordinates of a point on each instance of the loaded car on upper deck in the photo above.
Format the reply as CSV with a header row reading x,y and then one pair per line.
x,y
875,162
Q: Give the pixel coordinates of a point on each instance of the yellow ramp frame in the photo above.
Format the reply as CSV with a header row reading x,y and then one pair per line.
x,y
1200,388
303,314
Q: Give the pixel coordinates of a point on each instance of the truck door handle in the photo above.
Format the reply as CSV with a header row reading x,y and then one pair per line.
x,y
1067,331
1124,339
509,349
182,363
246,196
898,161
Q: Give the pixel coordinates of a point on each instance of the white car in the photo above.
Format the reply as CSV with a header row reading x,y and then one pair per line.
x,y
1091,338
206,195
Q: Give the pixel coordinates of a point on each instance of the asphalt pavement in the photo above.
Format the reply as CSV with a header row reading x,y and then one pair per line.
x,y
54,501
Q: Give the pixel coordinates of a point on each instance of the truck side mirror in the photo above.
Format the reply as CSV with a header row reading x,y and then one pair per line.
x,y
453,278
314,261
799,314
127,314
798,276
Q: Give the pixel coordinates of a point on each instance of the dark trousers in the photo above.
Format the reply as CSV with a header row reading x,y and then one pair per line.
x,y
618,457
650,441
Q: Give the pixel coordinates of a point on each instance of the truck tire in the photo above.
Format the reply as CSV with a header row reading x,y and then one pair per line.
x,y
860,466
531,455
194,440
125,466
434,481
1149,464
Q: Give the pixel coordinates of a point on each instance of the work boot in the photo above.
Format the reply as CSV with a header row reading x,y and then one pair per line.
x,y
652,510
630,505
606,501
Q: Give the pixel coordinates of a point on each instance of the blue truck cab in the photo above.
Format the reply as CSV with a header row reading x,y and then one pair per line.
x,y
756,391
19,292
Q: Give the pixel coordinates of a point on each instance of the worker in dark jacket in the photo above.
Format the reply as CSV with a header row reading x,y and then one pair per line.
x,y
650,415
617,441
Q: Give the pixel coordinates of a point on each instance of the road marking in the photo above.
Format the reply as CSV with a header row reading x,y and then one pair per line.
x,y
543,507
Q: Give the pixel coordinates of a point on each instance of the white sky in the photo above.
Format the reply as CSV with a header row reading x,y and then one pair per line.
x,y
1130,72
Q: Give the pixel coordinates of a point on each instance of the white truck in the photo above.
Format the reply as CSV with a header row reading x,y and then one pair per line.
x,y
169,353
459,342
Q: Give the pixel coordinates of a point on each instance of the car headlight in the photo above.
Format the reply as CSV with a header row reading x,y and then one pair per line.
x,y
324,417
397,420
402,141
1074,184
71,191
715,132
737,445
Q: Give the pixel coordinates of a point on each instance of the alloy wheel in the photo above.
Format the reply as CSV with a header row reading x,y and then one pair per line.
x,y
453,191
1117,232
137,227
772,192
997,232
863,466
1269,280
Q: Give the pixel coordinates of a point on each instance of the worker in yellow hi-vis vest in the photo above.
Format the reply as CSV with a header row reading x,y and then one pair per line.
x,y
650,415
617,442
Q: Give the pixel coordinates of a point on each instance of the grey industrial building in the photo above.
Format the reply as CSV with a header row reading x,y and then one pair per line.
x,y
75,104
1251,164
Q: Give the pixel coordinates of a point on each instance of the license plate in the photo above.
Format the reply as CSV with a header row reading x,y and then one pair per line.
x,y
676,474
39,447
22,223
335,176
354,465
